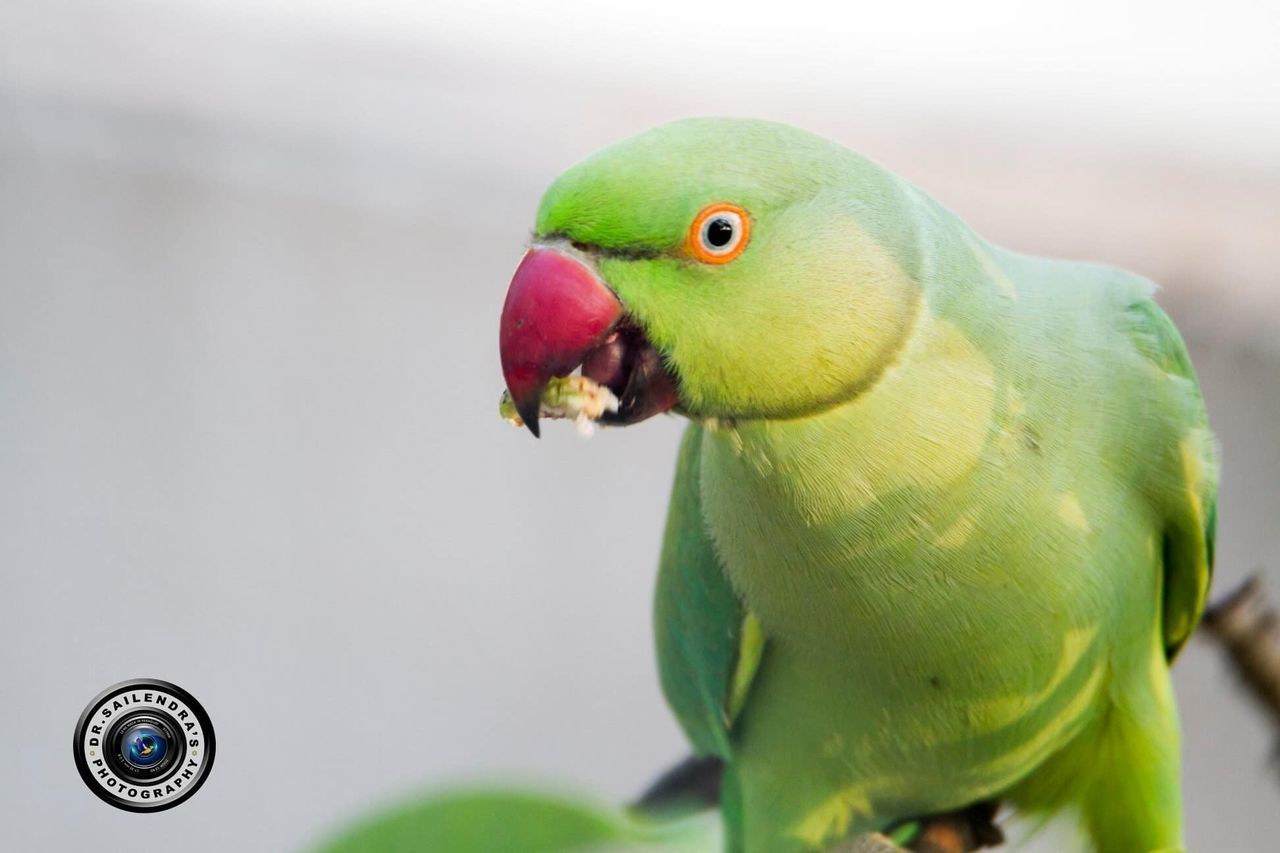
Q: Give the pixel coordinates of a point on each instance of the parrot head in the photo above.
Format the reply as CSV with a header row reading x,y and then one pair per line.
x,y
723,268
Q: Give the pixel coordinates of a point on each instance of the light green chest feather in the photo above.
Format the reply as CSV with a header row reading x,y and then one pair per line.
x,y
965,549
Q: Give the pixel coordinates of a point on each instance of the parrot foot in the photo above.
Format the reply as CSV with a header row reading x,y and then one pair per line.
x,y
972,828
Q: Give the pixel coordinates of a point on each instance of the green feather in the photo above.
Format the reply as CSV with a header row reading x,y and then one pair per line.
x,y
701,617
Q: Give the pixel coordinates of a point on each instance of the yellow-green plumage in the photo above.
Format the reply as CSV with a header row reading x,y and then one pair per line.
x,y
962,499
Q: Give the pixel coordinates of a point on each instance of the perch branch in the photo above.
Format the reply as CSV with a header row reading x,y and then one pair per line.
x,y
1248,630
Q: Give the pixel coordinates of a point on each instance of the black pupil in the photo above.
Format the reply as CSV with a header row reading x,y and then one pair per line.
x,y
719,232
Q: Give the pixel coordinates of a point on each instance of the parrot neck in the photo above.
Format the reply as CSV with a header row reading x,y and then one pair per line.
x,y
815,500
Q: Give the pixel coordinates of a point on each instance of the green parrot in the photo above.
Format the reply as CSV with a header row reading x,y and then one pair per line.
x,y
943,513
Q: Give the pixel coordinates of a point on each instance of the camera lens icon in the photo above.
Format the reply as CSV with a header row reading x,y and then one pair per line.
x,y
145,746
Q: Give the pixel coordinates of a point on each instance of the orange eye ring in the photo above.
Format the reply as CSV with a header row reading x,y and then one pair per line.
x,y
719,233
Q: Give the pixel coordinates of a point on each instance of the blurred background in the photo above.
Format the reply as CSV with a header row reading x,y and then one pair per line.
x,y
252,255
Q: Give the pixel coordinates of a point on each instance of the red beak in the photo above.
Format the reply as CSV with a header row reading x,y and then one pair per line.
x,y
557,311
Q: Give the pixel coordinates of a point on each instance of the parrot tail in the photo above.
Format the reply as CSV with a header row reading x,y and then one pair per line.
x,y
690,786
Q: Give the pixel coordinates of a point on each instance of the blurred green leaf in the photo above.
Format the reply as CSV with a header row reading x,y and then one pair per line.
x,y
497,821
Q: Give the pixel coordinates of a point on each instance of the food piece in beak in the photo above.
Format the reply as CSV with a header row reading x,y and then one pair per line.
x,y
577,398
557,310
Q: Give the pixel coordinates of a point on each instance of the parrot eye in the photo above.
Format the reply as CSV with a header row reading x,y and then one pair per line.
x,y
718,234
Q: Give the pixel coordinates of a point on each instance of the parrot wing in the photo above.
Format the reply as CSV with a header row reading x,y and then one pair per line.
x,y
1189,491
709,646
